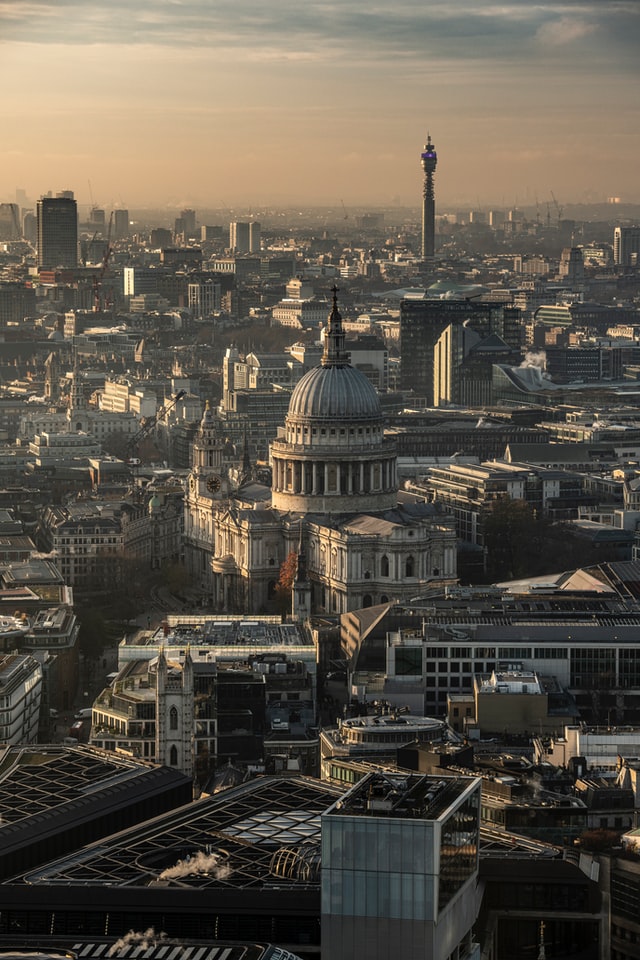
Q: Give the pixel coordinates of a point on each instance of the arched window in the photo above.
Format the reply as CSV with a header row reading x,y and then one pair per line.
x,y
436,572
366,600
384,598
384,566
173,719
409,567
173,756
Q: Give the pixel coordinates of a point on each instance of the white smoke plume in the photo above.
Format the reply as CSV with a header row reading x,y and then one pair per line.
x,y
199,863
535,358
137,939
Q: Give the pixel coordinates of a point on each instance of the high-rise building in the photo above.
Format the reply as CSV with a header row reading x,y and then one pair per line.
x,y
188,218
422,323
429,159
57,232
244,237
10,221
121,224
400,869
626,246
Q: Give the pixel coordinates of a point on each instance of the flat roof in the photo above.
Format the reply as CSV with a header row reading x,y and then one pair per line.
x,y
226,632
404,795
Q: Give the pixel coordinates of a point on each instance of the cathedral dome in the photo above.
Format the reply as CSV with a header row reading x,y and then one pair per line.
x,y
334,393
335,390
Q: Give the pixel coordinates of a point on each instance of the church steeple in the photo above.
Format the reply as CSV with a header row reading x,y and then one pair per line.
x,y
77,419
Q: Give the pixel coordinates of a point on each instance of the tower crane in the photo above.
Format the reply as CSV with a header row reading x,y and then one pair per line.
x,y
150,422
99,277
556,205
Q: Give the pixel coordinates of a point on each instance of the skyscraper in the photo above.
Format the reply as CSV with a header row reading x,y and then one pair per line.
x,y
57,232
121,224
244,237
626,246
429,159
9,221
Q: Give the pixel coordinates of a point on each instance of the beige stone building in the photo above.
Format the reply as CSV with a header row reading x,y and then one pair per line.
x,y
334,490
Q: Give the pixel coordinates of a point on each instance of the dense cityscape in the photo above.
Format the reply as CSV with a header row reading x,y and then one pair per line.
x,y
320,580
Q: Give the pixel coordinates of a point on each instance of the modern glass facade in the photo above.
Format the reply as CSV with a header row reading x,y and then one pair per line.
x,y
387,868
399,863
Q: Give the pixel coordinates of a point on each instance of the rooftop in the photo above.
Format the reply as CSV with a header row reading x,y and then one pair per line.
x,y
227,632
404,796
254,835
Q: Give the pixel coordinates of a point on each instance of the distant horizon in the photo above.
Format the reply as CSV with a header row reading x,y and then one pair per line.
x,y
543,209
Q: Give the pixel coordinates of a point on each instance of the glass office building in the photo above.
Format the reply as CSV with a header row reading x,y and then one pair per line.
x,y
399,868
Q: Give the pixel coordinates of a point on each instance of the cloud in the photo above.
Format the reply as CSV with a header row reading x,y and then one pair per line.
x,y
564,31
321,29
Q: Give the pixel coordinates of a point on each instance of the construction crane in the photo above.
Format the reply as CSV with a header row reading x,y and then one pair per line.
x,y
150,422
97,280
556,205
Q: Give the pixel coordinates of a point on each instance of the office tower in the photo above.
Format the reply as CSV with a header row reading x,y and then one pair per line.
x,y
121,224
30,227
255,237
136,280
400,869
9,221
244,237
422,323
571,265
626,246
57,232
97,218
188,218
429,159
204,297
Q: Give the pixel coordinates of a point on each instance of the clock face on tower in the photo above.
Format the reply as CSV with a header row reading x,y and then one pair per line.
x,y
213,483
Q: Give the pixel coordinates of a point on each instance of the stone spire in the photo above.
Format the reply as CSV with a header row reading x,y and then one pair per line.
x,y
334,354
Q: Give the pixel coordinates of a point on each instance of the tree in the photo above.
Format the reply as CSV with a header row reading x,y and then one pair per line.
x,y
284,586
523,543
511,531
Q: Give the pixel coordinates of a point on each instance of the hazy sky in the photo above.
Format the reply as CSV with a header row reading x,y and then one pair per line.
x,y
255,102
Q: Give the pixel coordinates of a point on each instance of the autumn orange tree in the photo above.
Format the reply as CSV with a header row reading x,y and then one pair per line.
x,y
284,586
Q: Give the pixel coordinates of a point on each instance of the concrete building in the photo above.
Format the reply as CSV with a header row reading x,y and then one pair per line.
x,y
204,298
20,695
626,246
244,237
429,160
10,228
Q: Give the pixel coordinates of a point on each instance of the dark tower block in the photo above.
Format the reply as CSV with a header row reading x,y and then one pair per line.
x,y
429,160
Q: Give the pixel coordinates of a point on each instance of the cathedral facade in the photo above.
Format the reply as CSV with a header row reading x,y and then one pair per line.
x,y
334,495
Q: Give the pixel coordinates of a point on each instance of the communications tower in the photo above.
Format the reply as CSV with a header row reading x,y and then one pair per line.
x,y
429,159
